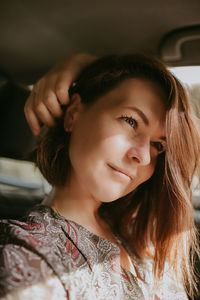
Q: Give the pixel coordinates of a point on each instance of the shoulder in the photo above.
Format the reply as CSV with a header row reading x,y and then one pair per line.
x,y
32,232
25,250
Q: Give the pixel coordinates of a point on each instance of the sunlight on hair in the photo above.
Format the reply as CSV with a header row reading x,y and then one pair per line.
x,y
190,77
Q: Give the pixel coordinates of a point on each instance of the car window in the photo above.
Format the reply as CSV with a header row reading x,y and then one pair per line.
x,y
20,173
21,186
190,77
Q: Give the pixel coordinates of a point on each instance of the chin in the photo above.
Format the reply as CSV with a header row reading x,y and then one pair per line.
x,y
111,194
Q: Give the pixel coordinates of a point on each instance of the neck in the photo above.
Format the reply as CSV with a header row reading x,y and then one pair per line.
x,y
75,205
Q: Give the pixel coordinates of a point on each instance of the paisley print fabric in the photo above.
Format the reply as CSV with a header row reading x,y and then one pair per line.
x,y
48,257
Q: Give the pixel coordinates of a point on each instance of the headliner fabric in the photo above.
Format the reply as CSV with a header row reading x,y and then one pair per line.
x,y
36,34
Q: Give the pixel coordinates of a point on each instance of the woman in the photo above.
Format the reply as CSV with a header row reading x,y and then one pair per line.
x,y
119,224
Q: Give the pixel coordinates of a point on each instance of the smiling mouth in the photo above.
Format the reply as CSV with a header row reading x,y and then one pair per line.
x,y
121,172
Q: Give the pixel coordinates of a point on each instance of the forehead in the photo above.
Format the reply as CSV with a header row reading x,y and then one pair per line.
x,y
141,93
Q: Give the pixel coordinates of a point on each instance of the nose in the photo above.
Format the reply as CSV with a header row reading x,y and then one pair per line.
x,y
140,152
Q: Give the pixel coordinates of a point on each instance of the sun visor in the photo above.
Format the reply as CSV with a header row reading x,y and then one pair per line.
x,y
181,47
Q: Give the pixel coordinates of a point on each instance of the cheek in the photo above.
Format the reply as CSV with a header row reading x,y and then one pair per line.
x,y
95,138
147,171
81,137
85,144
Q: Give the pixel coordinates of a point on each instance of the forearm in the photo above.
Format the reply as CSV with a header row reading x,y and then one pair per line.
x,y
73,64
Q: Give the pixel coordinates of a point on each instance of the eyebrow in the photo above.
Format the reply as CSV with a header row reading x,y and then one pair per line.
x,y
143,117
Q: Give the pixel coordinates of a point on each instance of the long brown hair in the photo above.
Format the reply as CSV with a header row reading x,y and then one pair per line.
x,y
159,212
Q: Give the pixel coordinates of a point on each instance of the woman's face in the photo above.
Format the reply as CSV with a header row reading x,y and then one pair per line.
x,y
115,142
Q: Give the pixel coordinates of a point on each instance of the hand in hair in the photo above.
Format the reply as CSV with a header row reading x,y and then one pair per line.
x,y
51,91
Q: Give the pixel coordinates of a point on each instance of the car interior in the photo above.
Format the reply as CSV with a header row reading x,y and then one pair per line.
x,y
35,35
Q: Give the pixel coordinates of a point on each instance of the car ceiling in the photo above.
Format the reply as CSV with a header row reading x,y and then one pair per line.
x,y
36,34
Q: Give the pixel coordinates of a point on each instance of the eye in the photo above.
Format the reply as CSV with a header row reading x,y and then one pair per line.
x,y
132,122
158,146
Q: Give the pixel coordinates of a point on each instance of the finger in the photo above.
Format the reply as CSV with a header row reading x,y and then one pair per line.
x,y
62,89
45,93
52,104
32,120
44,115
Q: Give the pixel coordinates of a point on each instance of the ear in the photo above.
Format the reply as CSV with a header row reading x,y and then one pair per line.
x,y
72,112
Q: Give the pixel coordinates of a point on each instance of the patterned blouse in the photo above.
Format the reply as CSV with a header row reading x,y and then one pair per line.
x,y
49,257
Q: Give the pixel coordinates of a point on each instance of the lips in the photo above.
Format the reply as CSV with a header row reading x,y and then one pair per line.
x,y
121,171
